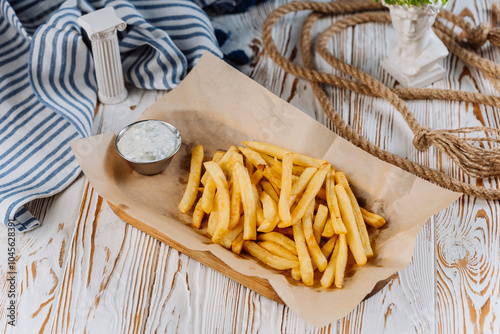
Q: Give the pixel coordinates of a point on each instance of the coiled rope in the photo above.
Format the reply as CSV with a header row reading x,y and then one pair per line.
x,y
472,155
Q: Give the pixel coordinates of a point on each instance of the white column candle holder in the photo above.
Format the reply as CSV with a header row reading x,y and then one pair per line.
x,y
101,27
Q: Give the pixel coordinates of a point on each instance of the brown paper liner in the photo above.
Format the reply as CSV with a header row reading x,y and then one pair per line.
x,y
217,106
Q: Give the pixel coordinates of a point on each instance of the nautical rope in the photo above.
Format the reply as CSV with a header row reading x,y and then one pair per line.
x,y
472,155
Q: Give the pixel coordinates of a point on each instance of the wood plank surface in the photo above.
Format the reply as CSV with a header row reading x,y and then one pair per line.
x,y
85,270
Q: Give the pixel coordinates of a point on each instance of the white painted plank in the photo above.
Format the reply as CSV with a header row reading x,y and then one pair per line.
x,y
114,278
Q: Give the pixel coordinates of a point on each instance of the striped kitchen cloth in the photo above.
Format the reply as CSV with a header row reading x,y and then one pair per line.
x,y
48,87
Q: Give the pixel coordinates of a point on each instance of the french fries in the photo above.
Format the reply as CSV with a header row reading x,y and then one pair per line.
x,y
372,219
306,268
289,211
353,235
267,257
189,197
278,152
313,247
223,203
365,239
309,194
319,222
333,205
341,261
286,188
248,199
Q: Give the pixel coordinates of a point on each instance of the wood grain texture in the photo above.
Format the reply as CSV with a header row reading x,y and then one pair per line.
x,y
41,259
467,237
85,270
261,286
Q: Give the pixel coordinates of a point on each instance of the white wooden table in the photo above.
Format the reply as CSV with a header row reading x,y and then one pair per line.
x,y
85,270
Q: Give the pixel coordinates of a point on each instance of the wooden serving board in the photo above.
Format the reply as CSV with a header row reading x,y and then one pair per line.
x,y
257,284
254,283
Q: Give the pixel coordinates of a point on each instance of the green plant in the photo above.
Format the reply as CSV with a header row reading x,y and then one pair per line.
x,y
413,2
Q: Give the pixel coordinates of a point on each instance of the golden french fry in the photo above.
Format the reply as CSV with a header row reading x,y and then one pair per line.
x,y
212,220
227,155
269,207
237,244
256,176
267,226
235,212
298,170
319,222
328,231
253,157
268,258
278,250
191,191
208,196
286,189
256,195
221,158
216,158
230,236
340,178
341,261
309,194
248,199
347,214
274,163
267,158
306,268
272,150
272,176
329,273
249,166
209,192
333,205
327,248
296,273
260,216
204,178
277,166
198,214
223,204
314,250
301,184
278,152
372,219
219,154
280,239
269,189
227,167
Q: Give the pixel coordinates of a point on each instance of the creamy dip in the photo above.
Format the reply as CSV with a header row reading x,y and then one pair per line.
x,y
148,141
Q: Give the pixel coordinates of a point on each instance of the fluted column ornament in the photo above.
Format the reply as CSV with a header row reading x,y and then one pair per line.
x,y
101,27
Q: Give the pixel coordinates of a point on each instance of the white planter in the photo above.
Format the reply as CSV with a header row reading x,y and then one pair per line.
x,y
415,51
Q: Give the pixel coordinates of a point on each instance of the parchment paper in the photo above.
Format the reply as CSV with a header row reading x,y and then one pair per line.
x,y
217,106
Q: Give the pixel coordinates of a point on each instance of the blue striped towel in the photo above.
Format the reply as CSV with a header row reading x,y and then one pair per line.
x,y
48,87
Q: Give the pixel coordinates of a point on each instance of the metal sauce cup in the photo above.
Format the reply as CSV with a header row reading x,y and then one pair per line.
x,y
155,166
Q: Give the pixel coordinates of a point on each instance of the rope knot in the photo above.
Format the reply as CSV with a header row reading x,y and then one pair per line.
x,y
421,141
479,35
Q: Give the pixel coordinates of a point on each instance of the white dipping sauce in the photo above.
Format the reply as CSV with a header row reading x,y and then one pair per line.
x,y
148,141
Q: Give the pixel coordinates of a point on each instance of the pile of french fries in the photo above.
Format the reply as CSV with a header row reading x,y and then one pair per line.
x,y
288,210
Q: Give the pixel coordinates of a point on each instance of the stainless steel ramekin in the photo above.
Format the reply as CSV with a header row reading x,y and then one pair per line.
x,y
155,166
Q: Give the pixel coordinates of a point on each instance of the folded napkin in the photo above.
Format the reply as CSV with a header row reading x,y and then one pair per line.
x,y
48,88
